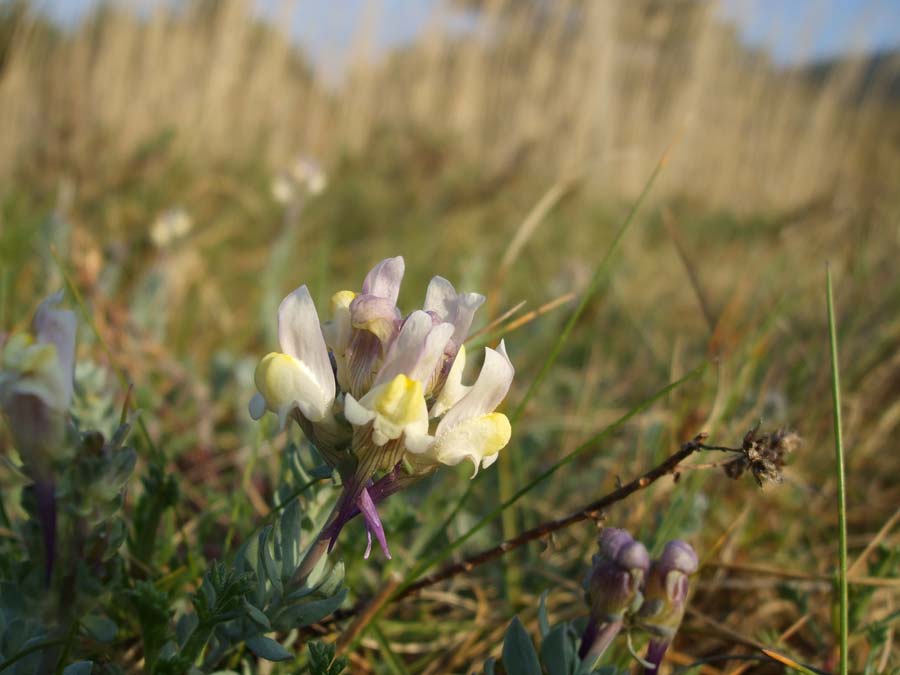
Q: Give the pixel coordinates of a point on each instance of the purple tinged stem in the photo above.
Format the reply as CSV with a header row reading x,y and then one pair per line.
x,y
588,637
596,639
45,498
383,488
656,650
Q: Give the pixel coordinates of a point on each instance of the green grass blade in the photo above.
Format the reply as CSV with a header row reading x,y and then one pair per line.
x,y
391,660
504,469
839,468
586,297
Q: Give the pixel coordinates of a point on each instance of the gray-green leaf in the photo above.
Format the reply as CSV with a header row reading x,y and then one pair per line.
x,y
256,615
305,614
558,652
267,648
100,628
79,668
543,620
519,656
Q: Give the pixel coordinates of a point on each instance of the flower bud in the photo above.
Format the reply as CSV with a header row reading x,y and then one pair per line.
x,y
613,589
36,373
665,597
617,574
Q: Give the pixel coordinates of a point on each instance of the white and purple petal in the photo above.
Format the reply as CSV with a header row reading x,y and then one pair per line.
x,y
384,279
417,349
58,327
486,394
300,336
376,314
459,309
453,390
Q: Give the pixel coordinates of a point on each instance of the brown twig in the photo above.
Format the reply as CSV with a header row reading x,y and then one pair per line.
x,y
590,511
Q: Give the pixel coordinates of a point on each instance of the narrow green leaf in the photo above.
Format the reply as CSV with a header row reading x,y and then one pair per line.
x,y
100,628
331,582
504,469
257,616
543,620
840,473
185,626
266,648
308,613
391,660
289,526
268,562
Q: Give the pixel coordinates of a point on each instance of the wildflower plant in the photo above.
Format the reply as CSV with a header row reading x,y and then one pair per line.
x,y
71,496
67,590
381,395
626,593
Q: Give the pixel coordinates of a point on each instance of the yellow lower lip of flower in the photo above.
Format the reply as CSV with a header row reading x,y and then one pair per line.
x,y
401,400
380,328
275,377
497,431
341,299
24,355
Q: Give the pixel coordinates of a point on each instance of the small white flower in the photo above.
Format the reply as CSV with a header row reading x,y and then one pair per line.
x,y
169,226
305,176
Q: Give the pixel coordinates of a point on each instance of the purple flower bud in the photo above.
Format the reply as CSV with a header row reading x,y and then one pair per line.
x,y
613,588
617,574
612,540
665,596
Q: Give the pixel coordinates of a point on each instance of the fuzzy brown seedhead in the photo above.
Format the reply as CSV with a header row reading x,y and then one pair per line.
x,y
764,455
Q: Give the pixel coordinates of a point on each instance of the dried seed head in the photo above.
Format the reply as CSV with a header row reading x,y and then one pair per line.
x,y
764,455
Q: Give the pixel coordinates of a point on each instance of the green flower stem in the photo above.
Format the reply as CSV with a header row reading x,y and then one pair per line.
x,y
312,557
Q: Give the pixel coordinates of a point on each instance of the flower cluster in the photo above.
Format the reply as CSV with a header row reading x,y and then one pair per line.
x,y
381,395
626,589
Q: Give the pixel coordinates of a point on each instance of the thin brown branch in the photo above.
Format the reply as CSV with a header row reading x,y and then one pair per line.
x,y
590,511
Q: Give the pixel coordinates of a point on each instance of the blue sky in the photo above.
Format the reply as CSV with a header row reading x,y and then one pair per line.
x,y
794,30
797,30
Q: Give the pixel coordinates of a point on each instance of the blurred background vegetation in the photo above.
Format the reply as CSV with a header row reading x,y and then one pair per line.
x,y
500,147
